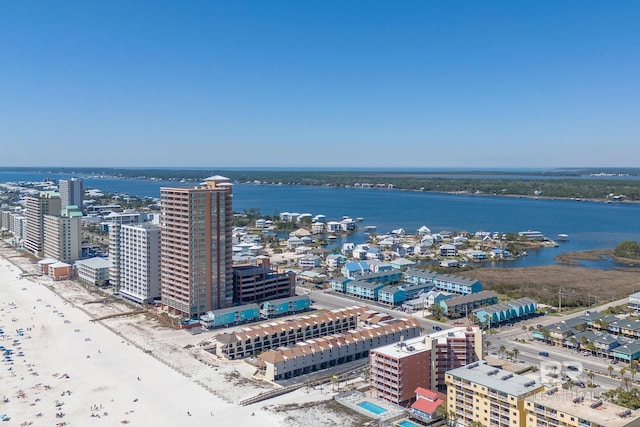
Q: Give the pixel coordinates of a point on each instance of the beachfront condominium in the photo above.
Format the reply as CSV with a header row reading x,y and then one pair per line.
x,y
395,371
63,235
115,220
140,262
45,203
480,394
71,192
196,252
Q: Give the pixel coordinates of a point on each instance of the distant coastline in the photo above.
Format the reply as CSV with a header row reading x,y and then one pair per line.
x,y
607,185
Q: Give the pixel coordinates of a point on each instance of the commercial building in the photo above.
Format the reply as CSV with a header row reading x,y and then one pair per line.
x,y
71,192
46,203
63,235
285,306
482,394
140,262
565,408
257,283
197,247
395,371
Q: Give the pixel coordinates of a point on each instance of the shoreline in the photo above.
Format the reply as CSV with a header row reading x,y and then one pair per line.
x,y
121,370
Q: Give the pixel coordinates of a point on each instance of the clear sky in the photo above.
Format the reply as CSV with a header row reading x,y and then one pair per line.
x,y
331,83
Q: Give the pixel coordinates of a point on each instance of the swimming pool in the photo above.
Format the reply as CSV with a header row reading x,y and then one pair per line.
x,y
372,407
407,423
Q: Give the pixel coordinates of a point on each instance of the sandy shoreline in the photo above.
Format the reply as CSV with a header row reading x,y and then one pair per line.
x,y
146,379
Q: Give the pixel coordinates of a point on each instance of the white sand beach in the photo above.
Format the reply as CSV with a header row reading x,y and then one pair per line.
x,y
125,370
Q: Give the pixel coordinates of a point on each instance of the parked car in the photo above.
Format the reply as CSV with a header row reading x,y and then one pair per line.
x,y
580,384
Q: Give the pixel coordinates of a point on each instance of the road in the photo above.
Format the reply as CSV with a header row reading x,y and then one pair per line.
x,y
332,301
508,336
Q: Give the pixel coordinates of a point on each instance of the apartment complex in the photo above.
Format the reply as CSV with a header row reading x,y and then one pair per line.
x,y
492,397
93,271
252,340
46,203
140,262
565,408
63,235
196,254
258,283
332,350
71,192
397,370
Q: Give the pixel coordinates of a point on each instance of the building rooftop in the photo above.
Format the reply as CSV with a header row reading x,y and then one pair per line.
x,y
495,378
420,344
583,406
95,262
470,298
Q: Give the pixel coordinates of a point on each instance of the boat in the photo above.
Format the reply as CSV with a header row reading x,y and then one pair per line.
x,y
359,219
563,237
331,237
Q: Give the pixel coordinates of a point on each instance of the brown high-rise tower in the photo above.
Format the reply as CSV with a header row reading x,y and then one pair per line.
x,y
196,247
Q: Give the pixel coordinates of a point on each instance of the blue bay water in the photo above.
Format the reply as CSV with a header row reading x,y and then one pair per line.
x,y
590,225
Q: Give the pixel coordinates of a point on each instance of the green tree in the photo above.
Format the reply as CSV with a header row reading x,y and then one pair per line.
x,y
610,369
628,249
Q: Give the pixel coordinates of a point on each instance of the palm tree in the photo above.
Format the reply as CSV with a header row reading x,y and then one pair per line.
x,y
610,369
591,374
574,342
633,371
545,334
570,384
515,353
501,350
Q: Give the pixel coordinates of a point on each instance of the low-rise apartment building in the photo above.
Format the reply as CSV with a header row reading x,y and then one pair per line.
x,y
565,408
395,371
488,396
253,340
321,353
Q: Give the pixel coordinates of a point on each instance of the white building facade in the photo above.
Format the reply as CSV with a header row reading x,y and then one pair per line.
x,y
140,262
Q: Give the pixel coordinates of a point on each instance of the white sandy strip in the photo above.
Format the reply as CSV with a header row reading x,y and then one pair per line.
x,y
103,371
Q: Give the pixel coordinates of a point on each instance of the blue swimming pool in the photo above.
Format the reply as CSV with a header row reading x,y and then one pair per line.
x,y
372,407
407,423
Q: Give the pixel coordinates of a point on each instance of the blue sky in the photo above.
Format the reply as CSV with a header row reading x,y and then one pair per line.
x,y
491,84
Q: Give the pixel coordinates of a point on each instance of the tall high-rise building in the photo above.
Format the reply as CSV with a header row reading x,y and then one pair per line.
x,y
63,235
140,262
47,202
116,220
196,251
71,192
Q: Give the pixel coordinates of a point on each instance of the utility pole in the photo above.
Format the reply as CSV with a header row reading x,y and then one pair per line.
x,y
559,299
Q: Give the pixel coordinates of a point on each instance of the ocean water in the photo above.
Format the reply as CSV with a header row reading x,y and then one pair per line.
x,y
590,225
